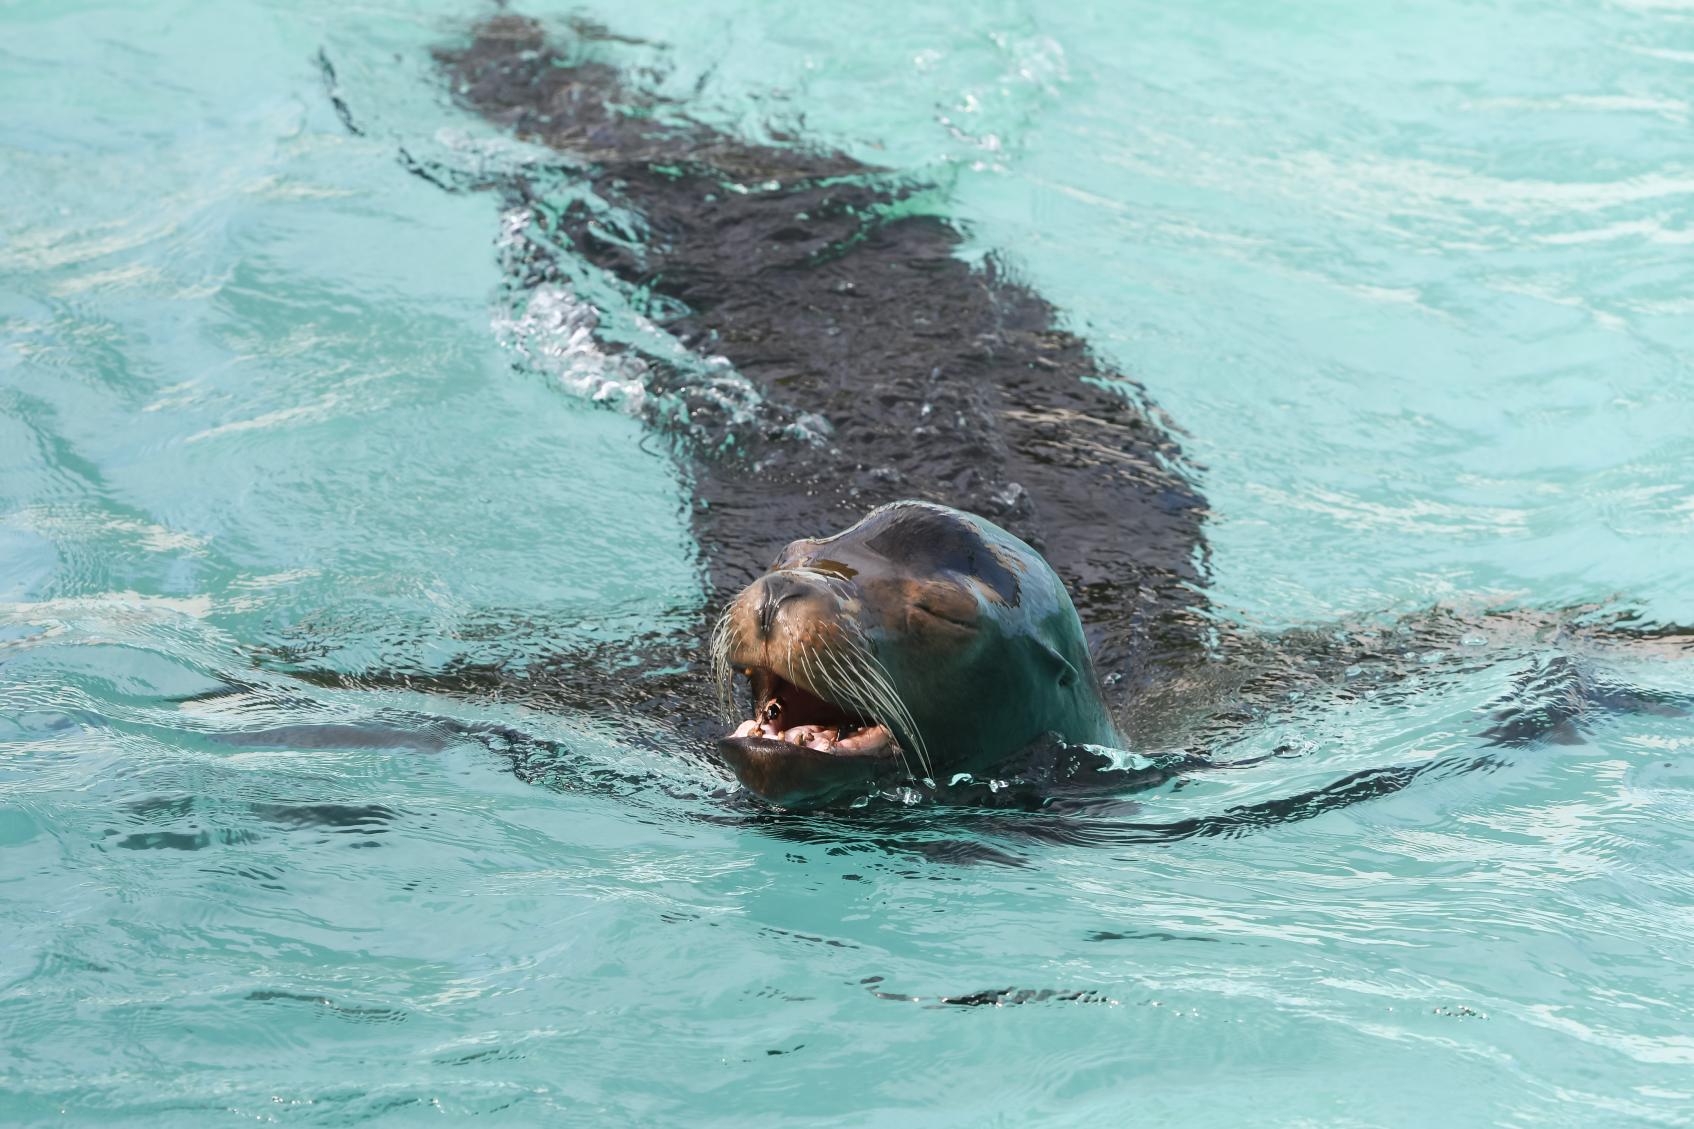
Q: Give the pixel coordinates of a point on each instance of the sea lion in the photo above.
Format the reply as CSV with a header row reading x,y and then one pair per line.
x,y
790,319
814,344
921,642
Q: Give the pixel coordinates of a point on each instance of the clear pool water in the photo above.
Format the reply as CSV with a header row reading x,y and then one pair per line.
x,y
1416,281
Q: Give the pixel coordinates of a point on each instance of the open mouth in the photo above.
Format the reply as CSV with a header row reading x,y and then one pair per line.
x,y
787,713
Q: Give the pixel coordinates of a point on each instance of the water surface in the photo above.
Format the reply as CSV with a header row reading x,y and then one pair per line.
x,y
1414,285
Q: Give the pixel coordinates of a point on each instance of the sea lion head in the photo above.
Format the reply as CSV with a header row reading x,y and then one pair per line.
x,y
920,643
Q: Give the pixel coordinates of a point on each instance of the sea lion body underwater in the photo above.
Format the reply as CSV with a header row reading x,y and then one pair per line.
x,y
871,364
922,642
881,365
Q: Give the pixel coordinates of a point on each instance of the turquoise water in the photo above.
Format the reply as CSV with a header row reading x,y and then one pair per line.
x,y
1418,287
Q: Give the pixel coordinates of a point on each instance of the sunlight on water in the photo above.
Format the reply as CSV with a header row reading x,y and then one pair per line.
x,y
1415,288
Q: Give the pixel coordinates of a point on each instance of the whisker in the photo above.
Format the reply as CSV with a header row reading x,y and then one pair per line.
x,y
848,673
879,697
717,651
880,676
723,639
868,698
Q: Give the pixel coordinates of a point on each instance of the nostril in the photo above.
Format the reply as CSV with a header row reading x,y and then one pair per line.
x,y
767,610
776,590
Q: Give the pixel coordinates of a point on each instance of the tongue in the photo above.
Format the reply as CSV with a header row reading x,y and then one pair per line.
x,y
811,736
822,738
819,737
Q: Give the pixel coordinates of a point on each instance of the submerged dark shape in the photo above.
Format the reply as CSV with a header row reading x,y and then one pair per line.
x,y
886,367
830,352
882,367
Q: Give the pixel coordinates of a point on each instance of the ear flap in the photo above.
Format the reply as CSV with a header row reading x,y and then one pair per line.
x,y
1062,667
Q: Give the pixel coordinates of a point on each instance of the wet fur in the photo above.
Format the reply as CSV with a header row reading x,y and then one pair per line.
x,y
938,380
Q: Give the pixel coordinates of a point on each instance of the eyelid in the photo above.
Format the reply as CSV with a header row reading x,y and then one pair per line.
x,y
927,609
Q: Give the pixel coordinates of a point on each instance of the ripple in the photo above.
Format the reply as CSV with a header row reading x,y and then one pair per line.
x,y
1420,305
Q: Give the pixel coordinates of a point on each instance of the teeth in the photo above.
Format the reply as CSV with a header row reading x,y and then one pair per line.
x,y
867,738
853,736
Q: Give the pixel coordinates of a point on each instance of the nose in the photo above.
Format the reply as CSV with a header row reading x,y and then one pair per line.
x,y
776,589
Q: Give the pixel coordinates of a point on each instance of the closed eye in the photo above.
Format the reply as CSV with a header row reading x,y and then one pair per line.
x,y
953,617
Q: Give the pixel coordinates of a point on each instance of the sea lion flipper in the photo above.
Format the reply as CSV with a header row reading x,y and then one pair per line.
x,y
1558,701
